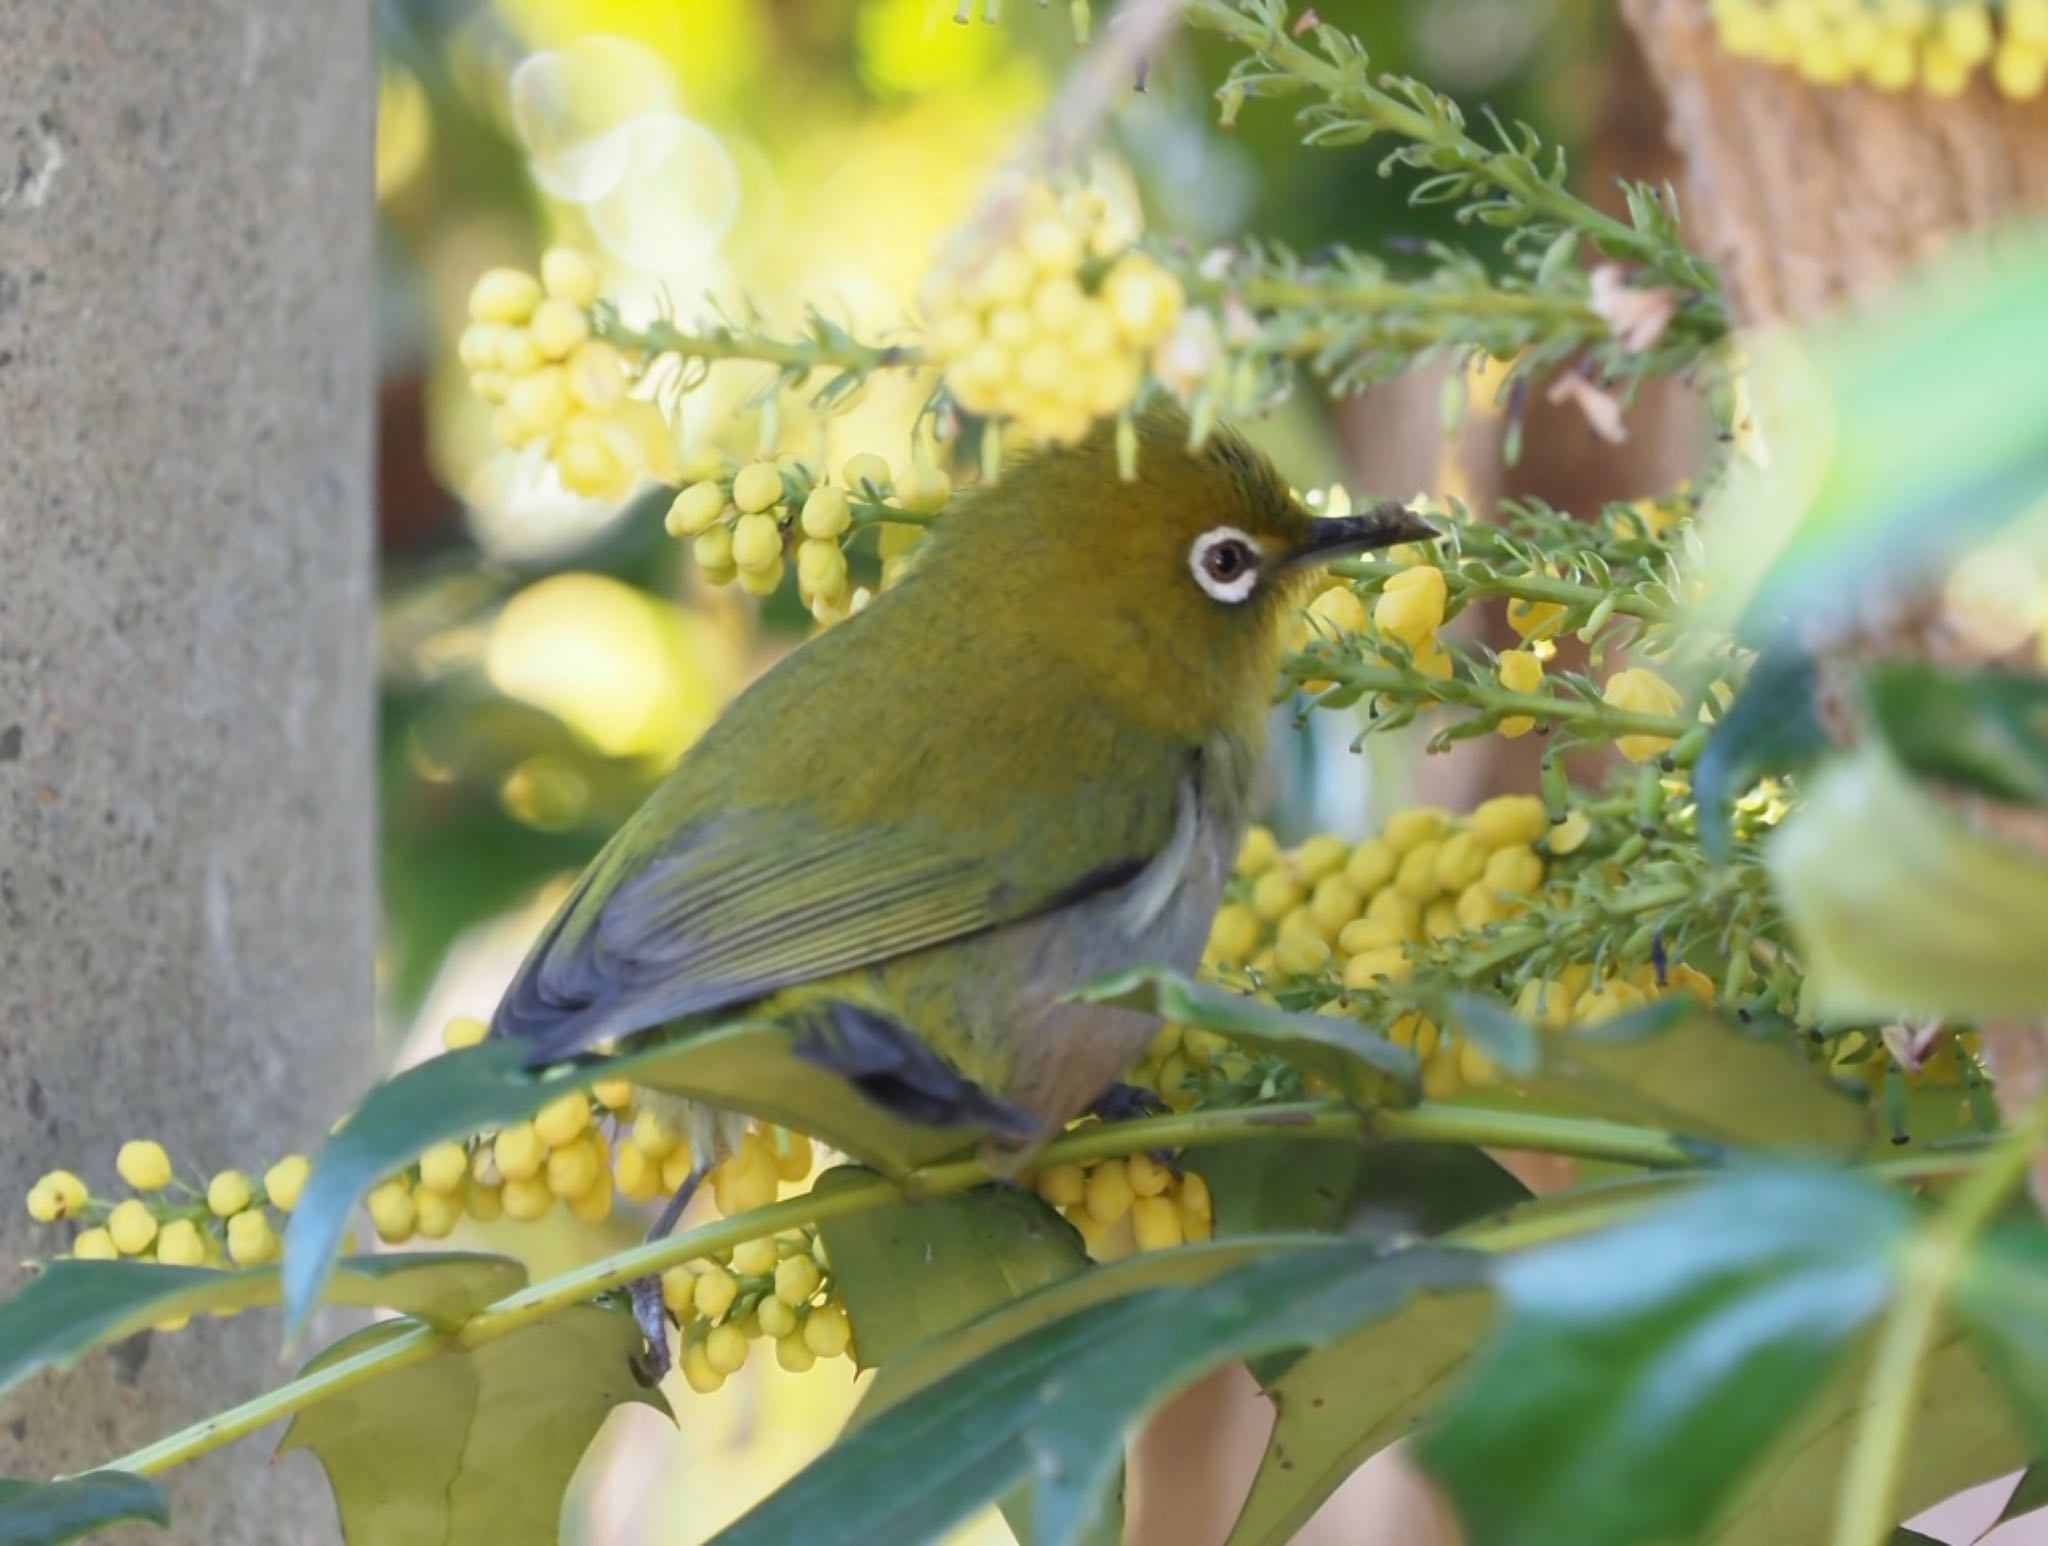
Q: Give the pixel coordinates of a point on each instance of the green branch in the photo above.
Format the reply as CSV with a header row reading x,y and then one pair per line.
x,y
827,347
1523,587
1590,716
1510,173
1868,1505
1427,1122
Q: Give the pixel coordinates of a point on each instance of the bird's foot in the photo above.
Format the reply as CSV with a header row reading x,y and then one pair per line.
x,y
653,1362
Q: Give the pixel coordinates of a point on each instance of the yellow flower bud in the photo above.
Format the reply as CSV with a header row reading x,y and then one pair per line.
x,y
757,486
435,1214
639,1176
866,473
827,1332
1145,300
94,1244
1155,1223
775,1318
1367,968
1508,820
1148,1178
593,1205
537,404
1519,671
1411,606
1516,871
444,1168
132,1227
485,1203
1640,690
1569,835
650,1135
715,1292
1535,620
43,1206
65,1196
1477,906
563,1120
179,1244
519,1152
751,1258
762,582
756,543
1258,850
923,489
820,568
796,1280
1405,829
527,1199
228,1193
725,1349
1233,933
698,1373
1108,1192
574,1169
793,1353
391,1212
1363,934
1460,860
1063,1186
1300,955
794,1159
284,1181
1440,918
1415,879
504,295
557,328
1371,865
712,551
826,515
569,275
1275,894
143,1164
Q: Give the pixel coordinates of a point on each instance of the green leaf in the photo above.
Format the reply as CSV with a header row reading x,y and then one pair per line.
x,y
1386,1190
745,1067
1961,1436
1184,1266
1340,1405
71,1307
2001,1296
1677,1347
1880,481
914,1270
1365,1068
44,1513
1901,907
1678,1064
1054,1406
1772,727
473,1446
1509,1042
1986,730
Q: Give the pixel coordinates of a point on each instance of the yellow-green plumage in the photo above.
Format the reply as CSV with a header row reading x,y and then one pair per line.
x,y
1023,767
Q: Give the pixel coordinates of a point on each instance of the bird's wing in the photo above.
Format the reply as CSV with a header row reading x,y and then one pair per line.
x,y
753,901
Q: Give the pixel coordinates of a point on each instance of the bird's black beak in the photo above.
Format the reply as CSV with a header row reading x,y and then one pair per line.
x,y
1385,525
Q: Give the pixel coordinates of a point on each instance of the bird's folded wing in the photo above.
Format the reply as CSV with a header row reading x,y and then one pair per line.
x,y
752,902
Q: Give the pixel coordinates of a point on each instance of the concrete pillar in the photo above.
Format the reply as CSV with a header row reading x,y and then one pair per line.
x,y
186,341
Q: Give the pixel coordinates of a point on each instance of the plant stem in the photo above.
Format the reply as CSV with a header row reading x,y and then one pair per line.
x,y
1530,587
1603,719
1870,1478
723,343
1428,1122
1512,174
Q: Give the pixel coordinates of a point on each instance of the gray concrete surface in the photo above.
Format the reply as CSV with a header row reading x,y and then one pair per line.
x,y
186,333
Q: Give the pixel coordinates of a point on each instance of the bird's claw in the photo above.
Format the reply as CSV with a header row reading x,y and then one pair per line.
x,y
651,1365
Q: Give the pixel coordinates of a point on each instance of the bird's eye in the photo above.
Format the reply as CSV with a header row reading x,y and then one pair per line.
x,y
1225,563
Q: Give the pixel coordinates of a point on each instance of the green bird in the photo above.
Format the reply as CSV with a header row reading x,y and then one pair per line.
x,y
1025,766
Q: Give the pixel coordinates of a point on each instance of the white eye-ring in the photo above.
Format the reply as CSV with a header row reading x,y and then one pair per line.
x,y
1225,563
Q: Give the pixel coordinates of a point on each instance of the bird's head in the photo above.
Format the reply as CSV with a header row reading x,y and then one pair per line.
x,y
1171,592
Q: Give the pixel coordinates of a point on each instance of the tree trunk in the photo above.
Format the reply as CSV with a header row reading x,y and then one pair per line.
x,y
186,327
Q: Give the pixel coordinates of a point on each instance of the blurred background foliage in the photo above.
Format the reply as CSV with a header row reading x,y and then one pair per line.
x,y
545,658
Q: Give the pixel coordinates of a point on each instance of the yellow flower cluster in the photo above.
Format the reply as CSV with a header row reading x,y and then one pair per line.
x,y
1136,1203
740,521
1357,916
777,1288
1051,328
583,1149
530,353
225,1222
1895,45
1580,996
